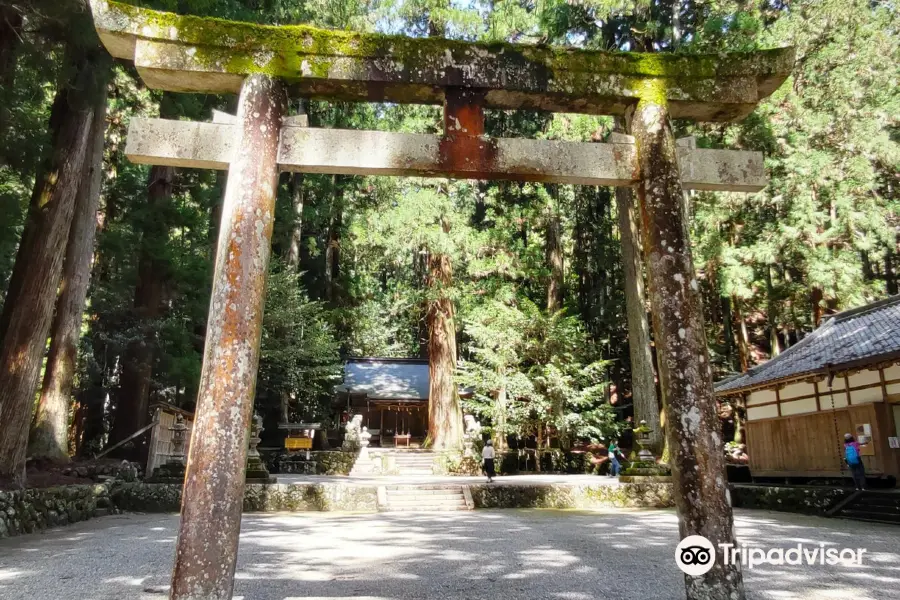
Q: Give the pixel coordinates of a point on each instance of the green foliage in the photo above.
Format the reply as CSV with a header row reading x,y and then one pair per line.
x,y
299,354
540,365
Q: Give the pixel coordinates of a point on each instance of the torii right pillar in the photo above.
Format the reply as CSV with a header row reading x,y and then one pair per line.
x,y
693,427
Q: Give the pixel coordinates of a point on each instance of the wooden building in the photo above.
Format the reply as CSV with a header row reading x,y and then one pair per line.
x,y
842,378
391,394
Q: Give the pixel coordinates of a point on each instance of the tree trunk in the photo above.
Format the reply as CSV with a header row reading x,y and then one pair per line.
x,y
293,255
133,398
333,247
693,427
890,278
49,430
554,255
206,551
772,317
728,331
500,429
28,310
643,379
743,336
10,38
444,412
816,296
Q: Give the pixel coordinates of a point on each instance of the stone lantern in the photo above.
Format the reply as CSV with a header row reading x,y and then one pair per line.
x,y
256,468
642,438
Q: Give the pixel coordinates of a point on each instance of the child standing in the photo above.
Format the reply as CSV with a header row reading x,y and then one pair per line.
x,y
854,461
487,453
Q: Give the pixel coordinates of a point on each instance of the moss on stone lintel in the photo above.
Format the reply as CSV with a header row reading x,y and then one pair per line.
x,y
240,44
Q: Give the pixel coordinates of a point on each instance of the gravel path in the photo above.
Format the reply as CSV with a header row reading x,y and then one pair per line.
x,y
503,554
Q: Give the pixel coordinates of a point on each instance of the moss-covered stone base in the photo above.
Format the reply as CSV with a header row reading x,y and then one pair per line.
x,y
805,500
29,511
652,495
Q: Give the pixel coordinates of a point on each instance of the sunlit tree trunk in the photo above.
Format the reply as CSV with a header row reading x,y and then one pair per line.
x,y
643,378
743,336
554,256
28,310
444,412
772,317
49,432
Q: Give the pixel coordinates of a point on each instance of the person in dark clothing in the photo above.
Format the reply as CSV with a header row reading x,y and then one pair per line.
x,y
488,455
854,460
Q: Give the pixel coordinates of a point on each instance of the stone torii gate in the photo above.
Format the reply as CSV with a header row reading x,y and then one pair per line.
x,y
264,64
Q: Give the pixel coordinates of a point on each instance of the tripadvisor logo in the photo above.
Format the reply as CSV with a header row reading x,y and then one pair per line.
x,y
695,555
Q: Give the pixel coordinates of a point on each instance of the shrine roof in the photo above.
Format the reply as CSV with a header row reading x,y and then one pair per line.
x,y
197,54
857,337
387,378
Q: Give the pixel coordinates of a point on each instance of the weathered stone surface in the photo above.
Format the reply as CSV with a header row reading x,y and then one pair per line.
x,y
805,500
351,152
34,510
649,495
182,53
211,513
692,425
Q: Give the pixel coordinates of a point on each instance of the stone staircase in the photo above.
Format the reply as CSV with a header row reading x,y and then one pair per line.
x,y
875,506
424,498
411,462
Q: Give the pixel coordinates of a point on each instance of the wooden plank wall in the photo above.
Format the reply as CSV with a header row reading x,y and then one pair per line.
x,y
811,445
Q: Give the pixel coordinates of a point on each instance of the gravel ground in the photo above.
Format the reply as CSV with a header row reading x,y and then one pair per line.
x,y
504,554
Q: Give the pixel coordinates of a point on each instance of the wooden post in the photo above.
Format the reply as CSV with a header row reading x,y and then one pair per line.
x,y
213,490
694,431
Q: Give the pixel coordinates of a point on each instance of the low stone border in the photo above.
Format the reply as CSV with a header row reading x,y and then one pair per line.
x,y
629,495
34,510
809,500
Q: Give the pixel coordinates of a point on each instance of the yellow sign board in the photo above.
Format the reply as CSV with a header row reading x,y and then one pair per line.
x,y
293,443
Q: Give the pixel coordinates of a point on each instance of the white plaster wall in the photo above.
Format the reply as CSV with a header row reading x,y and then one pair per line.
x,y
840,399
761,397
893,388
892,372
795,390
762,412
867,395
807,405
867,377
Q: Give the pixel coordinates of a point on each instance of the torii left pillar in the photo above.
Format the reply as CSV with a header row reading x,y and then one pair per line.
x,y
214,484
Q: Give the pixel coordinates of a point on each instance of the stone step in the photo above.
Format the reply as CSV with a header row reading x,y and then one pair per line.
x,y
427,508
424,498
433,487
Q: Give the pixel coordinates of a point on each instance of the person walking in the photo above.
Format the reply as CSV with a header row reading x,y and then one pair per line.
x,y
614,454
854,461
487,453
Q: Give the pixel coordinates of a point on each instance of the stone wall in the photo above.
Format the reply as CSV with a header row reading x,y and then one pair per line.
x,y
806,500
631,495
34,510
300,497
324,462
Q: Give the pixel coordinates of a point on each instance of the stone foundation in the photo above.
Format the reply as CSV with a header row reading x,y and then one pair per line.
x,y
651,495
806,500
34,510
29,511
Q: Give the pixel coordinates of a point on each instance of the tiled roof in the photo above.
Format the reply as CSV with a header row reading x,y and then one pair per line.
x,y
387,378
859,334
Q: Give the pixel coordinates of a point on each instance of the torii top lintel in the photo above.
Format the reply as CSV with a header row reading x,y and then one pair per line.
x,y
194,54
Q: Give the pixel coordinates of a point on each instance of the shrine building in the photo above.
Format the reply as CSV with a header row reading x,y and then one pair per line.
x,y
844,377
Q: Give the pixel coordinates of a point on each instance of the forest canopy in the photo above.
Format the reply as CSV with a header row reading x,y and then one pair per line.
x,y
527,278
